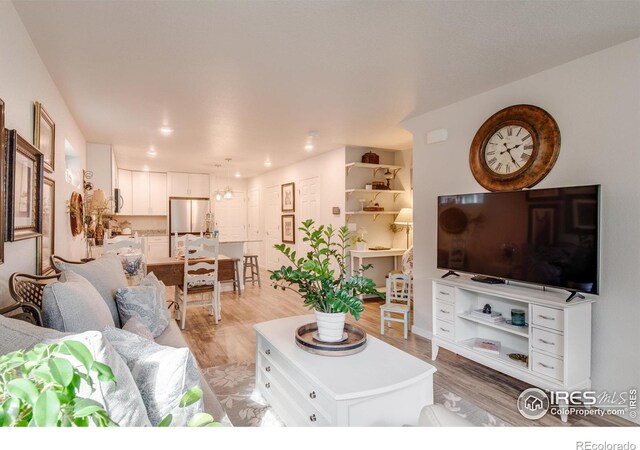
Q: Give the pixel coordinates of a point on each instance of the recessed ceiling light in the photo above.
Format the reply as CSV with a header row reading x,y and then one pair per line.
x,y
308,147
152,152
145,168
166,130
267,163
238,174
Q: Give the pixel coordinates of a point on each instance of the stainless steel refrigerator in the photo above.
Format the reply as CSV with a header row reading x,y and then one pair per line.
x,y
186,215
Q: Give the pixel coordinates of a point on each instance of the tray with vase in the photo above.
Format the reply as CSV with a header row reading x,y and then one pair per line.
x,y
354,340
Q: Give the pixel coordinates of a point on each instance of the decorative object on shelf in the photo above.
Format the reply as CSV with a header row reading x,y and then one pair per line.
x,y
519,357
353,340
373,207
405,219
289,229
45,245
288,198
321,276
379,247
368,187
486,309
487,345
379,186
44,136
517,318
2,182
515,148
23,188
362,201
389,175
371,158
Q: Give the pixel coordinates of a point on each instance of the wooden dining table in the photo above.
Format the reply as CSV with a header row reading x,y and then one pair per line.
x,y
171,270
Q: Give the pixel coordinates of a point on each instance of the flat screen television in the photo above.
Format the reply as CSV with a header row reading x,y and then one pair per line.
x,y
546,237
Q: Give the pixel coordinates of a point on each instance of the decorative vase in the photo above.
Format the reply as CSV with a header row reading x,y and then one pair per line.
x,y
361,246
330,326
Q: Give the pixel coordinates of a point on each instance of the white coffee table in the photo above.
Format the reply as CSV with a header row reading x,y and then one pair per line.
x,y
380,386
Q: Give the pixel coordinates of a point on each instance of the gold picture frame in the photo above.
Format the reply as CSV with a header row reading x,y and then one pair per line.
x,y
45,245
23,188
44,137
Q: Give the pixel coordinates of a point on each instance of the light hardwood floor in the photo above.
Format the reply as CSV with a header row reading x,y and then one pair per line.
x,y
233,340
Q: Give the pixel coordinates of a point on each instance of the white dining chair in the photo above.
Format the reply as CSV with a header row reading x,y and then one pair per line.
x,y
200,277
398,302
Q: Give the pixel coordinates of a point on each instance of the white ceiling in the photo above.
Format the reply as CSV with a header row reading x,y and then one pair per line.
x,y
248,79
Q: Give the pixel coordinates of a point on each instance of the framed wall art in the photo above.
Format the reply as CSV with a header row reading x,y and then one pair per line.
x,y
2,181
45,245
288,197
44,137
289,229
23,188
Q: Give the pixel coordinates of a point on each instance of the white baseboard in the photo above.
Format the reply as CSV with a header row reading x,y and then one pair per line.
x,y
421,332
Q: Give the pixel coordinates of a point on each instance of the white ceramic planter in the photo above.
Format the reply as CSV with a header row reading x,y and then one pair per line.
x,y
330,326
361,246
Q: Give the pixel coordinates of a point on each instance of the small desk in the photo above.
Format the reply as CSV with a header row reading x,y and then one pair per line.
x,y
171,270
361,255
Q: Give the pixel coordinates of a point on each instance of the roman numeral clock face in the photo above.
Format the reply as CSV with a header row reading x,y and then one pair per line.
x,y
509,150
515,148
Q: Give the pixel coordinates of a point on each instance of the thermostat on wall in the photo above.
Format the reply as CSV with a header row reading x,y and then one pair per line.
x,y
336,210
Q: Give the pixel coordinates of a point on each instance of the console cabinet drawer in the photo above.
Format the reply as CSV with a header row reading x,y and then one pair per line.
x,y
445,311
547,365
445,330
547,341
548,317
445,293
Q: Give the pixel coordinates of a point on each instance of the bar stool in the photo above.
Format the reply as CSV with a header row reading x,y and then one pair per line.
x,y
236,276
251,269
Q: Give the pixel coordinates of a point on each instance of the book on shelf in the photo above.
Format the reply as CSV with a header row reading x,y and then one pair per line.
x,y
487,345
492,317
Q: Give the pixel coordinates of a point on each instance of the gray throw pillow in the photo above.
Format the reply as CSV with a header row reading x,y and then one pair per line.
x,y
146,302
163,375
19,335
106,274
72,304
122,400
135,326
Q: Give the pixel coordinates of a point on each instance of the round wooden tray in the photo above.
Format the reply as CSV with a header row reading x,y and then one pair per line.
x,y
355,342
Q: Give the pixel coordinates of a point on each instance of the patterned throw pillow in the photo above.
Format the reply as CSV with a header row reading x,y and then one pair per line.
x,y
162,374
122,401
146,302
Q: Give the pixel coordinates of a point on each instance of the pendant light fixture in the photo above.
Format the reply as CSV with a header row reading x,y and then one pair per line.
x,y
218,194
228,192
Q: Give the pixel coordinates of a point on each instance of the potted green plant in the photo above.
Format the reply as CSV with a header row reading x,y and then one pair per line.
x,y
39,387
321,278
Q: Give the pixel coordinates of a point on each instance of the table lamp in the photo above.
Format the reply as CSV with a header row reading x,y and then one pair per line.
x,y
405,218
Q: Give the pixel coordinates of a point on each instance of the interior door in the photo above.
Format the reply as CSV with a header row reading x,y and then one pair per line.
x,y
253,223
309,208
231,216
272,227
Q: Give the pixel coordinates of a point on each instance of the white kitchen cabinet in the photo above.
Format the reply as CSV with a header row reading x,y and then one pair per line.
x,y
126,192
157,247
140,184
188,184
199,185
158,194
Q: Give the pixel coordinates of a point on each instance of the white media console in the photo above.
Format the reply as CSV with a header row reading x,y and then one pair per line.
x,y
557,337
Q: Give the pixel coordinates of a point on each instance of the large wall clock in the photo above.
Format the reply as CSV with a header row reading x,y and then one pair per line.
x,y
515,148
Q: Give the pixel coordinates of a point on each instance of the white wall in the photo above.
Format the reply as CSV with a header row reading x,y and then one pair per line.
x,y
329,167
596,102
24,80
